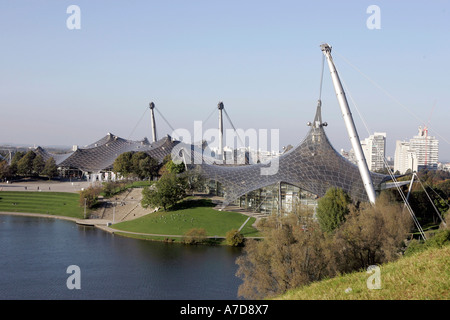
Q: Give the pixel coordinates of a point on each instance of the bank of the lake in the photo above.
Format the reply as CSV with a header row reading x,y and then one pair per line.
x,y
169,226
196,213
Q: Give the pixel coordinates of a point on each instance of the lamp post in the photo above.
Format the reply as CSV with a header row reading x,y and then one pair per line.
x,y
114,211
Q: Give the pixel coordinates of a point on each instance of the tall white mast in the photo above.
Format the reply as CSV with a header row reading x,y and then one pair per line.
x,y
220,107
350,125
152,106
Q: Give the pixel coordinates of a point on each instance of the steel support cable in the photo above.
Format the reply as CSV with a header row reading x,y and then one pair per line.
x,y
321,77
407,205
390,95
237,134
210,115
159,112
429,198
438,194
132,131
410,210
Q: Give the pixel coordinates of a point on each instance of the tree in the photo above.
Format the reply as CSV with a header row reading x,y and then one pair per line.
x,y
332,209
289,256
149,167
295,251
195,181
144,166
14,161
50,169
169,166
167,191
136,157
372,234
4,169
89,196
123,164
25,164
234,238
140,164
38,164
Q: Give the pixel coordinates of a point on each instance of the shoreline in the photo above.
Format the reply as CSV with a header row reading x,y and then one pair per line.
x,y
38,215
103,225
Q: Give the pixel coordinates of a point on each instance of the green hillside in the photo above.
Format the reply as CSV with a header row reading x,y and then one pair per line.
x,y
54,203
190,214
422,276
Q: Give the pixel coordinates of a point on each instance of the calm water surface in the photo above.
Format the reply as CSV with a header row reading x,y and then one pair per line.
x,y
35,254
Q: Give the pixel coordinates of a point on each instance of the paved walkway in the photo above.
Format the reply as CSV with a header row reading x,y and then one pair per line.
x,y
123,207
44,186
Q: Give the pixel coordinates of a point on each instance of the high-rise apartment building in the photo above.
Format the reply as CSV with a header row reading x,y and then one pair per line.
x,y
374,148
404,158
422,151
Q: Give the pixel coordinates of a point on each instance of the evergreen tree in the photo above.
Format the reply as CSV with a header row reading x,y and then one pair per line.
x,y
332,209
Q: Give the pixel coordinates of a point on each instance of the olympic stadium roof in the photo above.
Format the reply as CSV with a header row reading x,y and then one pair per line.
x,y
101,154
314,165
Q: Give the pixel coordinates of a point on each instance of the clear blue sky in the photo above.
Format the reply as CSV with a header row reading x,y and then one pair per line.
x,y
261,58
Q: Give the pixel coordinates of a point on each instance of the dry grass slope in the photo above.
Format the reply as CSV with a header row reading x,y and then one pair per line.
x,y
423,276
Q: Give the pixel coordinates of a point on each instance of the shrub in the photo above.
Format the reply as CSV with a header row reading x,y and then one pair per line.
x,y
195,236
91,195
234,238
440,239
289,256
372,234
332,209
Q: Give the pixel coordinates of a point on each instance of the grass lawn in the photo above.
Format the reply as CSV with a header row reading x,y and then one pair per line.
x,y
55,203
422,276
187,215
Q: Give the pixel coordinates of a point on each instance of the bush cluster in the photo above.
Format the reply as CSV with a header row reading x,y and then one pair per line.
x,y
298,250
195,236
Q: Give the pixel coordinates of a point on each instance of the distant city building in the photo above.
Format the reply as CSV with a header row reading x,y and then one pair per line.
x,y
444,166
404,158
349,155
374,148
427,149
422,151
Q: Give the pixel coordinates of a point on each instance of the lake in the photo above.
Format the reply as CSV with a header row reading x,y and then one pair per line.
x,y
36,252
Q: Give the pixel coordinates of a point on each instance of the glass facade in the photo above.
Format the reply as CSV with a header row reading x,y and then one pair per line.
x,y
277,198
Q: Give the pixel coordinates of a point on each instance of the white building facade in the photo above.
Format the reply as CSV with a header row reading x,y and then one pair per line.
x,y
374,148
422,151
